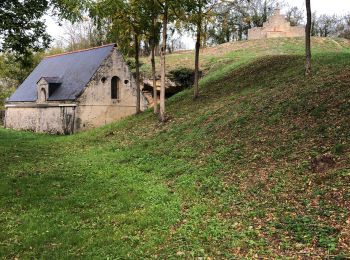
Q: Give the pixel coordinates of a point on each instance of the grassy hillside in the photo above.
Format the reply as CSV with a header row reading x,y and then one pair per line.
x,y
216,58
259,166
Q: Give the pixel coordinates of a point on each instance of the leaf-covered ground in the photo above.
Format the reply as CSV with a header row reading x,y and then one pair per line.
x,y
259,166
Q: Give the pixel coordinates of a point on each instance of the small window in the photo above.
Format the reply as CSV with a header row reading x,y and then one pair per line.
x,y
126,82
103,79
52,88
115,88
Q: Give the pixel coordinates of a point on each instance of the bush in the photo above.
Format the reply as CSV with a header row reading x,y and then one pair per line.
x,y
7,87
182,76
131,63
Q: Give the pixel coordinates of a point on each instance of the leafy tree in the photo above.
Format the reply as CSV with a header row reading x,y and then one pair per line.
x,y
8,68
197,12
154,38
165,16
130,21
22,28
12,73
169,10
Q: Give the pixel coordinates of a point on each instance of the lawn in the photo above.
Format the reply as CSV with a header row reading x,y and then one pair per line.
x,y
236,173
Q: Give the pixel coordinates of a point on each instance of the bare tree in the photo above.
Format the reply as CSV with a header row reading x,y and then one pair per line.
x,y
233,18
295,16
327,25
345,30
81,35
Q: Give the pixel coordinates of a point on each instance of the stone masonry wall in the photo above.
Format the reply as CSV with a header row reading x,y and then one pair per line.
x,y
49,119
275,27
95,105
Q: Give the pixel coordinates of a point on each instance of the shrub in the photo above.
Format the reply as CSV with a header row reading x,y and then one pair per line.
x,y
182,76
131,63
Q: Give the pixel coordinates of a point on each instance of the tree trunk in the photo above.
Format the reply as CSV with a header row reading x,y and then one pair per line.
x,y
313,30
205,35
265,13
137,53
196,66
308,39
162,54
225,28
198,46
155,93
240,32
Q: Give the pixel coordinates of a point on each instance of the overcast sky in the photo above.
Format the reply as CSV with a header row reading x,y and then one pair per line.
x,y
325,6
339,7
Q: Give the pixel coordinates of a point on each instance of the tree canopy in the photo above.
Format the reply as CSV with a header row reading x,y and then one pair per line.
x,y
22,27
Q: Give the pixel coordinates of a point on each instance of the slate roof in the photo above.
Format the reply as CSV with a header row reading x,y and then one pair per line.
x,y
54,80
73,70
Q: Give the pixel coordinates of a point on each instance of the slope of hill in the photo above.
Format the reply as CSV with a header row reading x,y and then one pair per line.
x,y
259,166
218,57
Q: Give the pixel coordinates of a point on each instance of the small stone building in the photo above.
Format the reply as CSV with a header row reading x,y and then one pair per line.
x,y
71,92
276,26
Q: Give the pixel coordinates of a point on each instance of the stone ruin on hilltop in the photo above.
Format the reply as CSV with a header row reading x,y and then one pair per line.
x,y
277,26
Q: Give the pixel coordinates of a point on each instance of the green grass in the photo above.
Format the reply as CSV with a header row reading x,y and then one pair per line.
x,y
230,55
228,176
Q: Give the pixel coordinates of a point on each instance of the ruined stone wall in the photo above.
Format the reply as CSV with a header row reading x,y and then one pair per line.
x,y
297,31
276,27
51,119
256,33
95,105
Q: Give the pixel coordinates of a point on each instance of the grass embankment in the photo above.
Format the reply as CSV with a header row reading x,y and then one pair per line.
x,y
215,59
231,174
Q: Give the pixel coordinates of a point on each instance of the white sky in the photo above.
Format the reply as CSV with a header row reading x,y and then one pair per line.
x,y
339,7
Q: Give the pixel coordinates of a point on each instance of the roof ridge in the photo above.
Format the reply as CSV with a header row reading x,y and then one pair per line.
x,y
71,52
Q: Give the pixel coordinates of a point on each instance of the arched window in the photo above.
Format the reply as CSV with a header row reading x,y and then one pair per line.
x,y
115,88
42,95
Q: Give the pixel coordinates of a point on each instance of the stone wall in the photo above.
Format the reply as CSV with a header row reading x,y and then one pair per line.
x,y
52,119
275,27
95,106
